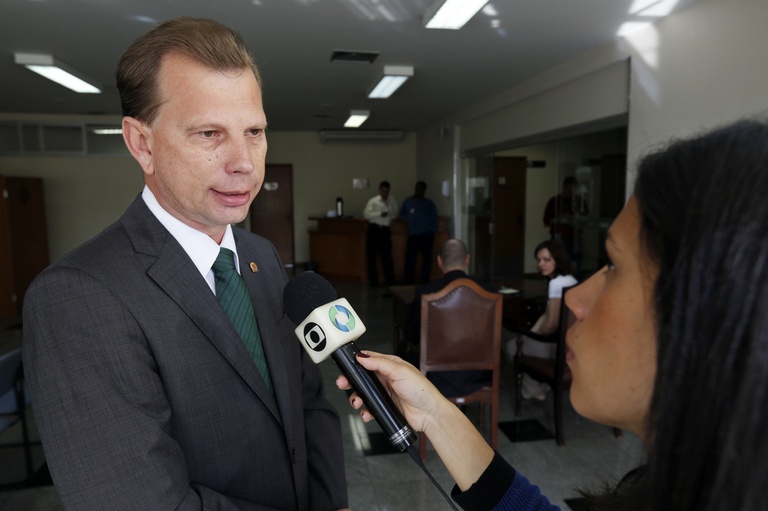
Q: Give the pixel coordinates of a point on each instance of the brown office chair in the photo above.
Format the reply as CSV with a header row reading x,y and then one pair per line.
x,y
555,373
461,331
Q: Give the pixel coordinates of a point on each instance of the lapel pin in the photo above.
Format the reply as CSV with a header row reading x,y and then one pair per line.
x,y
254,268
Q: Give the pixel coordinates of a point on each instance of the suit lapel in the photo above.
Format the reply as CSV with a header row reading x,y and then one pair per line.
x,y
259,274
174,272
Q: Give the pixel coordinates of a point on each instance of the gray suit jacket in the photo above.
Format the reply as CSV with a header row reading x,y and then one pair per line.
x,y
145,396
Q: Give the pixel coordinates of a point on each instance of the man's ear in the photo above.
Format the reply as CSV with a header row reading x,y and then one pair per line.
x,y
138,139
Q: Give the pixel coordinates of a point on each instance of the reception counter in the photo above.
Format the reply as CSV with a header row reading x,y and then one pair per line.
x,y
337,246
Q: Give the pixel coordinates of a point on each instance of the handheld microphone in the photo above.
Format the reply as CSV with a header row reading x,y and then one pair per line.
x,y
328,327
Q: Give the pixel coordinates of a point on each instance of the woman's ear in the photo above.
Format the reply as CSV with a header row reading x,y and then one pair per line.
x,y
138,139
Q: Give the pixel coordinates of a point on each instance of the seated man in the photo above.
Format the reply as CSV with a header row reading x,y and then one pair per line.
x,y
453,261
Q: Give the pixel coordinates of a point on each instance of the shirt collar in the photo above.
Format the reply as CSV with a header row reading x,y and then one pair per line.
x,y
199,246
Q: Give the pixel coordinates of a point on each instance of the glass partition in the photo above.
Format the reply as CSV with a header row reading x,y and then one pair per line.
x,y
569,189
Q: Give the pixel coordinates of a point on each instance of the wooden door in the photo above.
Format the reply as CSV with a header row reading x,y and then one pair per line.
x,y
7,293
508,206
272,211
24,237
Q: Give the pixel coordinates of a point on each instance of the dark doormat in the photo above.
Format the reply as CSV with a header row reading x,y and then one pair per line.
x,y
576,504
527,430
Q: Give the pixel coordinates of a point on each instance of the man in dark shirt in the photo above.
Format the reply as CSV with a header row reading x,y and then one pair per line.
x,y
561,213
453,261
421,215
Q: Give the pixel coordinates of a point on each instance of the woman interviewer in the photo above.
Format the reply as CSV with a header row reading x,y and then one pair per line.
x,y
670,342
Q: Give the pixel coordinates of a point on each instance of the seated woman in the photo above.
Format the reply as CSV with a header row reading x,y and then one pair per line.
x,y
555,265
670,343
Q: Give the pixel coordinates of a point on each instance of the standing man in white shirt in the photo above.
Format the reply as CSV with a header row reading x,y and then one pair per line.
x,y
379,212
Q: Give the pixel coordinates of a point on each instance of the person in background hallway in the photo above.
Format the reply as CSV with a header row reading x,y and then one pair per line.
x,y
555,265
421,215
453,261
144,391
670,343
560,216
379,212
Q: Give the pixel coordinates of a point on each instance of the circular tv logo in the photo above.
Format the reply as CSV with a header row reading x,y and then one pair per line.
x,y
314,337
342,318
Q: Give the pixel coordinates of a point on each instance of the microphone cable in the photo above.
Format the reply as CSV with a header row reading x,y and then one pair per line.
x,y
417,459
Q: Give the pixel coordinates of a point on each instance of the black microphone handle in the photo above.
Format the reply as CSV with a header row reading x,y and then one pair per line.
x,y
377,400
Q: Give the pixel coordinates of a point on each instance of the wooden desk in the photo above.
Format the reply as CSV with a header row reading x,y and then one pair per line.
x,y
513,305
338,246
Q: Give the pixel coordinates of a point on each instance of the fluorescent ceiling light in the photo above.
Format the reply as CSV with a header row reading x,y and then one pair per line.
x,y
49,67
107,131
452,14
394,77
356,118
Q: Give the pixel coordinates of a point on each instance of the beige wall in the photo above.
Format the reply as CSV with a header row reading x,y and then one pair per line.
x,y
83,195
86,194
324,171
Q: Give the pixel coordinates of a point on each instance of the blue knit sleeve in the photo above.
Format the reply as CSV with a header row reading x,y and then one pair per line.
x,y
500,488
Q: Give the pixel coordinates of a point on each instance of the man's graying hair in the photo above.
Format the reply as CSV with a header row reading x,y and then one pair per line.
x,y
203,40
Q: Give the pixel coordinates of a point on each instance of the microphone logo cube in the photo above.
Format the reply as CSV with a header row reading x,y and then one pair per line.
x,y
327,328
314,337
342,318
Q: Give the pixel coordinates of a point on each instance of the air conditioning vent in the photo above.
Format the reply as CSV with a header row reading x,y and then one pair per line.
x,y
361,135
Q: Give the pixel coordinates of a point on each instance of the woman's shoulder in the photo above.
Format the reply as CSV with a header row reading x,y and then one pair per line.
x,y
564,281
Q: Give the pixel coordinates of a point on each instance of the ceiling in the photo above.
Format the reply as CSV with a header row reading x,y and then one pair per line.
x,y
504,45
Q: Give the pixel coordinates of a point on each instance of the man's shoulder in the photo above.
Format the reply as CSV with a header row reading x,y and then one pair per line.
x,y
252,245
251,240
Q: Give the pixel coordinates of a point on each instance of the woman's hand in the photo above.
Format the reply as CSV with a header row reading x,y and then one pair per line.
x,y
463,450
418,400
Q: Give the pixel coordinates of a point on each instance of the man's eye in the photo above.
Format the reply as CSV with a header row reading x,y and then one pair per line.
x,y
208,133
255,132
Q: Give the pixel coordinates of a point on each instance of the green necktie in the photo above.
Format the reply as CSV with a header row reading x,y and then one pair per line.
x,y
234,299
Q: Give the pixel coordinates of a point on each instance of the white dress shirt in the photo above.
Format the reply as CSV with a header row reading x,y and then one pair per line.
x,y
376,206
199,246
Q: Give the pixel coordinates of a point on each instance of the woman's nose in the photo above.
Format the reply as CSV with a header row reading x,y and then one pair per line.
x,y
580,298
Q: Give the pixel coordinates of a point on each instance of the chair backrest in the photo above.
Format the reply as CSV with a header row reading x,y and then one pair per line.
x,y
566,320
460,328
9,370
10,364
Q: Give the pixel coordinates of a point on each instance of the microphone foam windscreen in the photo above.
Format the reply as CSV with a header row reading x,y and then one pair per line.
x,y
304,293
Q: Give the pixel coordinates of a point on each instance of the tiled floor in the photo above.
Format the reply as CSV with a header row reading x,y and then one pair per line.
x,y
392,482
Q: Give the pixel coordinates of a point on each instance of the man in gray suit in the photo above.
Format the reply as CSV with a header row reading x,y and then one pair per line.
x,y
144,393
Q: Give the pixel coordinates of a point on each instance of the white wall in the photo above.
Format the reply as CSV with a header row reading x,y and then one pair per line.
x,y
702,66
699,68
